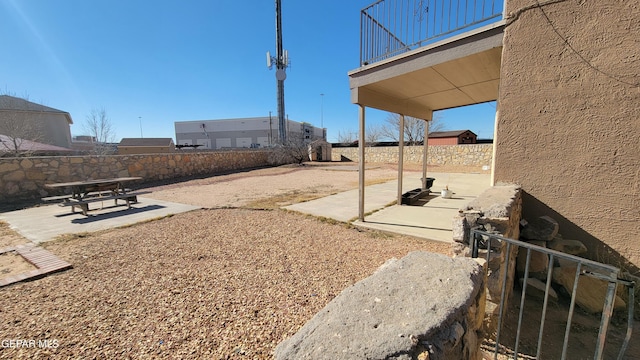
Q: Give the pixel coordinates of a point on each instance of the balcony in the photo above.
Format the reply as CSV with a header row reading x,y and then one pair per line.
x,y
418,56
392,27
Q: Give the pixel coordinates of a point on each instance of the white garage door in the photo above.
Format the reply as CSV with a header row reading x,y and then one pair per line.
x,y
206,143
263,141
243,142
223,143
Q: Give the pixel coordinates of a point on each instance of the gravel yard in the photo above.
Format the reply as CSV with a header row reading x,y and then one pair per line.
x,y
214,283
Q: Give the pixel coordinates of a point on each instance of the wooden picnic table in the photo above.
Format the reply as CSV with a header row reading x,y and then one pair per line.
x,y
88,191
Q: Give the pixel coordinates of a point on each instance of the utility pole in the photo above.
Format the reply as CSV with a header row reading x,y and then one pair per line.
x,y
270,130
281,61
322,111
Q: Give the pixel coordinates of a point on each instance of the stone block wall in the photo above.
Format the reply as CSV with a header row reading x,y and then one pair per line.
x,y
458,155
498,210
24,178
423,306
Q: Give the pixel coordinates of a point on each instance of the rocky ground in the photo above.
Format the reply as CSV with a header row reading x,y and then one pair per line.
x,y
214,283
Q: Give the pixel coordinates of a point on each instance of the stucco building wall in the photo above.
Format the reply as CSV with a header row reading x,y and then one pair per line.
x,y
568,121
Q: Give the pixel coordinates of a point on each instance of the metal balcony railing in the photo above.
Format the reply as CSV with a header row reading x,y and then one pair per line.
x,y
391,27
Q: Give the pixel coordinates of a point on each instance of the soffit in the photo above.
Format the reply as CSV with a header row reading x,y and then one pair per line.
x,y
446,76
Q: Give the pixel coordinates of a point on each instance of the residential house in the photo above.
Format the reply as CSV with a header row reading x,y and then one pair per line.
x,y
12,147
20,118
565,75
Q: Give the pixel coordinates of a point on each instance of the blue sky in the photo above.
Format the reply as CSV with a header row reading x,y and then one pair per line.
x,y
157,62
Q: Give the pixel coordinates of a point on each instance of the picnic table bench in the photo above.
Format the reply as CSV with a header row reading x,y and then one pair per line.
x,y
85,192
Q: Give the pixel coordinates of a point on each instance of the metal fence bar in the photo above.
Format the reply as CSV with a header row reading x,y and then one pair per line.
x,y
607,312
584,267
544,306
567,330
391,27
522,297
502,295
631,286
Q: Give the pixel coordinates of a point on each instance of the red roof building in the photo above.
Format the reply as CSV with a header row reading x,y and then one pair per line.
x,y
455,137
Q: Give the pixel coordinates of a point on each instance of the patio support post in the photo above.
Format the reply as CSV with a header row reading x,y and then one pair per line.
x,y
495,145
424,154
361,166
400,158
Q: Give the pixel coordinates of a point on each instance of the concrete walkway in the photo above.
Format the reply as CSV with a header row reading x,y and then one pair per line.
x,y
45,223
432,220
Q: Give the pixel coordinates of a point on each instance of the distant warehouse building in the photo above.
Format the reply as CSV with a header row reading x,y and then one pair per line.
x,y
255,132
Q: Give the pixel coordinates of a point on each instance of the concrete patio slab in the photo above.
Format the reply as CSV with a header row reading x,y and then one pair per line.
x,y
344,206
45,223
431,220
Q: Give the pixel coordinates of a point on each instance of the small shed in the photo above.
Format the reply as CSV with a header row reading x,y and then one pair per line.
x,y
128,146
455,137
319,150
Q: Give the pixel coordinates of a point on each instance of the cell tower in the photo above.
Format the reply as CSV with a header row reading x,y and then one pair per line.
x,y
281,61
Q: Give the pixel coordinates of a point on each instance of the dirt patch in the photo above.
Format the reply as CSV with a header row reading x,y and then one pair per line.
x,y
289,198
284,184
272,188
8,237
13,264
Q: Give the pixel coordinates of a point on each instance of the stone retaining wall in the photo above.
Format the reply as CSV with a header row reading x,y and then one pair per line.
x,y
498,210
24,178
423,306
458,155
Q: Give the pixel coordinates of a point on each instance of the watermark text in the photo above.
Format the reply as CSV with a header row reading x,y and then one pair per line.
x,y
29,344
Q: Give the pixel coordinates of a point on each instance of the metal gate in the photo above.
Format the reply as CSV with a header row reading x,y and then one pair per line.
x,y
481,240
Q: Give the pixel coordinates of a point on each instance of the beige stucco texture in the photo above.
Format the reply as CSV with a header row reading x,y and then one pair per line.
x,y
568,122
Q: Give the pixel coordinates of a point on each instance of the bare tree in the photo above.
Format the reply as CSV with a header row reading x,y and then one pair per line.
x,y
18,134
292,151
373,134
413,128
98,125
346,136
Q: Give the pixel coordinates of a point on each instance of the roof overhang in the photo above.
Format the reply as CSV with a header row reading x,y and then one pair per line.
x,y
461,70
69,120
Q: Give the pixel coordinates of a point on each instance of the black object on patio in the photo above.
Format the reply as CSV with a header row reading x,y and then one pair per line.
x,y
411,197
